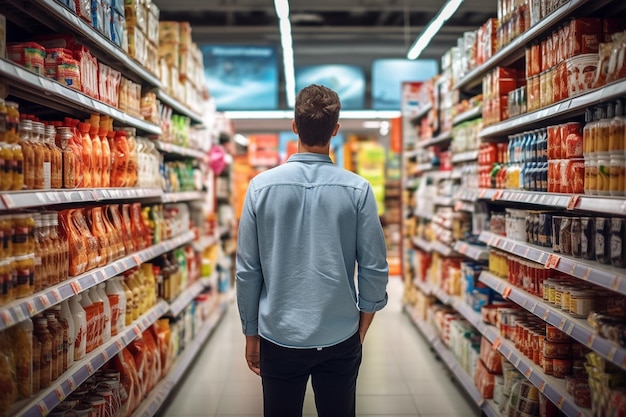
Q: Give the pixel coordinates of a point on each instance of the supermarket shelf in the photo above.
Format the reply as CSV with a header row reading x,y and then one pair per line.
x,y
54,15
30,306
179,150
578,329
560,110
467,194
468,156
424,167
186,296
429,289
443,249
151,405
415,119
178,107
204,242
437,140
443,201
553,388
605,276
470,114
422,244
183,196
466,381
46,400
461,205
515,50
42,90
475,252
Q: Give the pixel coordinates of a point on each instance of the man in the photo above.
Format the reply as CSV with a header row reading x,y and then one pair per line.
x,y
304,226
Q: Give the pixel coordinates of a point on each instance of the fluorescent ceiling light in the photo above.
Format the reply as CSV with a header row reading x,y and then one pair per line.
x,y
288,114
433,27
282,11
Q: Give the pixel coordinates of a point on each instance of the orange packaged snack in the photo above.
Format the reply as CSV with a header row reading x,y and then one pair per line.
x,y
76,243
98,229
129,242
87,152
96,156
120,153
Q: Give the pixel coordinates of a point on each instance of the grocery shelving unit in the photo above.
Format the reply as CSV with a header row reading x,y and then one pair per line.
x,y
29,87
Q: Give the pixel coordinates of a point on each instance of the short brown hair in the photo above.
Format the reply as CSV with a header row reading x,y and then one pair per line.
x,y
316,114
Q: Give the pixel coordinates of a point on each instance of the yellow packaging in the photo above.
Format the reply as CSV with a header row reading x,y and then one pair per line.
x,y
169,32
137,44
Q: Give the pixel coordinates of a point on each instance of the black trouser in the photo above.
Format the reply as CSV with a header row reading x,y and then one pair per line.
x,y
333,370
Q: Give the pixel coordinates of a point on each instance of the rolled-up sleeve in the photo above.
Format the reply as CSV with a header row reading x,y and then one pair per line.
x,y
373,270
248,275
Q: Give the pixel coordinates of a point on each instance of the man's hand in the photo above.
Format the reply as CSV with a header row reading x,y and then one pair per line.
x,y
253,356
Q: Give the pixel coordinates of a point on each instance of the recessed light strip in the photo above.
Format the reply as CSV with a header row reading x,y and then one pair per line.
x,y
433,28
282,11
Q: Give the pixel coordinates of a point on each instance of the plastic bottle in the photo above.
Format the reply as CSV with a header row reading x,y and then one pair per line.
x,y
57,345
56,173
131,305
131,168
97,300
76,146
120,153
117,300
45,338
80,326
64,361
101,290
62,139
66,313
28,152
12,139
87,155
93,320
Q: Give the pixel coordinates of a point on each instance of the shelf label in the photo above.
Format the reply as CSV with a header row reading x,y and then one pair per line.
x,y
590,340
545,315
526,251
119,344
586,274
45,301
463,249
612,353
553,261
573,202
542,386
616,283
7,318
19,313
508,355
560,402
89,367
60,393
56,294
137,331
43,408
528,373
507,292
482,193
71,383
458,206
105,355
7,200
497,195
562,323
497,343
137,259
76,287
569,329
30,306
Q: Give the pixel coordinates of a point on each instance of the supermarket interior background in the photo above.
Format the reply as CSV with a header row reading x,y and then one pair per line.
x,y
493,133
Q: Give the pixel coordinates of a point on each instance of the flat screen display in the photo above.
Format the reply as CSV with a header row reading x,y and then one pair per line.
x,y
241,77
389,74
347,80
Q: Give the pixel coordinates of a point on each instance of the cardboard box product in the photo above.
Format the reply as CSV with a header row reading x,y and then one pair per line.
x,y
118,28
152,59
170,52
136,44
585,36
169,32
136,15
153,23
185,34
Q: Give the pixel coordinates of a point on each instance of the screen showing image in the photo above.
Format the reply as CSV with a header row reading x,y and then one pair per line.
x,y
347,80
241,77
389,74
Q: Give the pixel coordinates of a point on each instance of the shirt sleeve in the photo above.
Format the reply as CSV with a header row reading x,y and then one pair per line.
x,y
248,274
373,270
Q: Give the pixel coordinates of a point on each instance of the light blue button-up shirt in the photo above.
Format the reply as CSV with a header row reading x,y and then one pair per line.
x,y
304,226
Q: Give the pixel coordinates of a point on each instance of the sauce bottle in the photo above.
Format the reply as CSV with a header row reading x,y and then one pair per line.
x,y
96,157
87,152
63,138
28,152
12,139
66,314
120,153
56,173
80,326
56,333
45,338
76,146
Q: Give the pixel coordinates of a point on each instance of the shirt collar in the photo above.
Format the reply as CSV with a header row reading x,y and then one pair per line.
x,y
310,157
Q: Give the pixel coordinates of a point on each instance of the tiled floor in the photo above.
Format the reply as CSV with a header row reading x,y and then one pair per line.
x,y
399,375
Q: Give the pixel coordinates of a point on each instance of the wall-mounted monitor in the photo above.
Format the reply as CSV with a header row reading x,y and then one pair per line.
x,y
241,77
389,74
347,80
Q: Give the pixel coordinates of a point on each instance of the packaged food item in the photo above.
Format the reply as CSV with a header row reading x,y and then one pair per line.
x,y
618,242
617,175
47,349
66,315
63,137
10,392
98,229
78,256
603,239
588,238
120,157
80,326
21,337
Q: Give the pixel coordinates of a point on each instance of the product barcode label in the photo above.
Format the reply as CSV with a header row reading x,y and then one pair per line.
x,y
542,386
71,383
43,408
553,261
76,287
7,318
56,294
45,301
59,392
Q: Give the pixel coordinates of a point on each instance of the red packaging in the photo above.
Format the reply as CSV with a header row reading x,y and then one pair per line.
x,y
572,140
576,174
585,35
554,176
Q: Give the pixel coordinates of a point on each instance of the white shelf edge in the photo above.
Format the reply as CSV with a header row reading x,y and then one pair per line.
x,y
420,113
47,399
178,106
467,156
443,201
475,252
155,400
179,150
437,140
576,328
181,196
30,306
470,114
474,76
613,279
72,21
185,297
573,105
52,91
423,244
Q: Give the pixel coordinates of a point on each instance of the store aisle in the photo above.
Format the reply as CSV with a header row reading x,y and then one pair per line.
x,y
399,375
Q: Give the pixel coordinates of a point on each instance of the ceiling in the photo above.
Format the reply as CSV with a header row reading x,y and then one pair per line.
x,y
352,32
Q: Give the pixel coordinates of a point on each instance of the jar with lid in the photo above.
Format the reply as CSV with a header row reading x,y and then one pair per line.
x,y
56,158
617,175
28,152
603,177
46,339
25,269
618,242
43,166
63,137
56,332
6,236
582,302
64,359
12,139
588,238
617,130
603,240
23,234
5,279
21,337
575,233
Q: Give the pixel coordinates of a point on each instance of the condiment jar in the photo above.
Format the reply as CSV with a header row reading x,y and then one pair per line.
x,y
45,338
617,175
25,269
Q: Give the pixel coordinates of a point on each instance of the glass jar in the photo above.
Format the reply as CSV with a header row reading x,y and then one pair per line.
x,y
25,267
23,234
56,331
63,137
617,175
5,279
28,152
56,158
6,237
45,338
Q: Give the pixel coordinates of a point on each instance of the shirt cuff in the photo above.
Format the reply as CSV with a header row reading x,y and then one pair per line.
x,y
250,327
370,306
